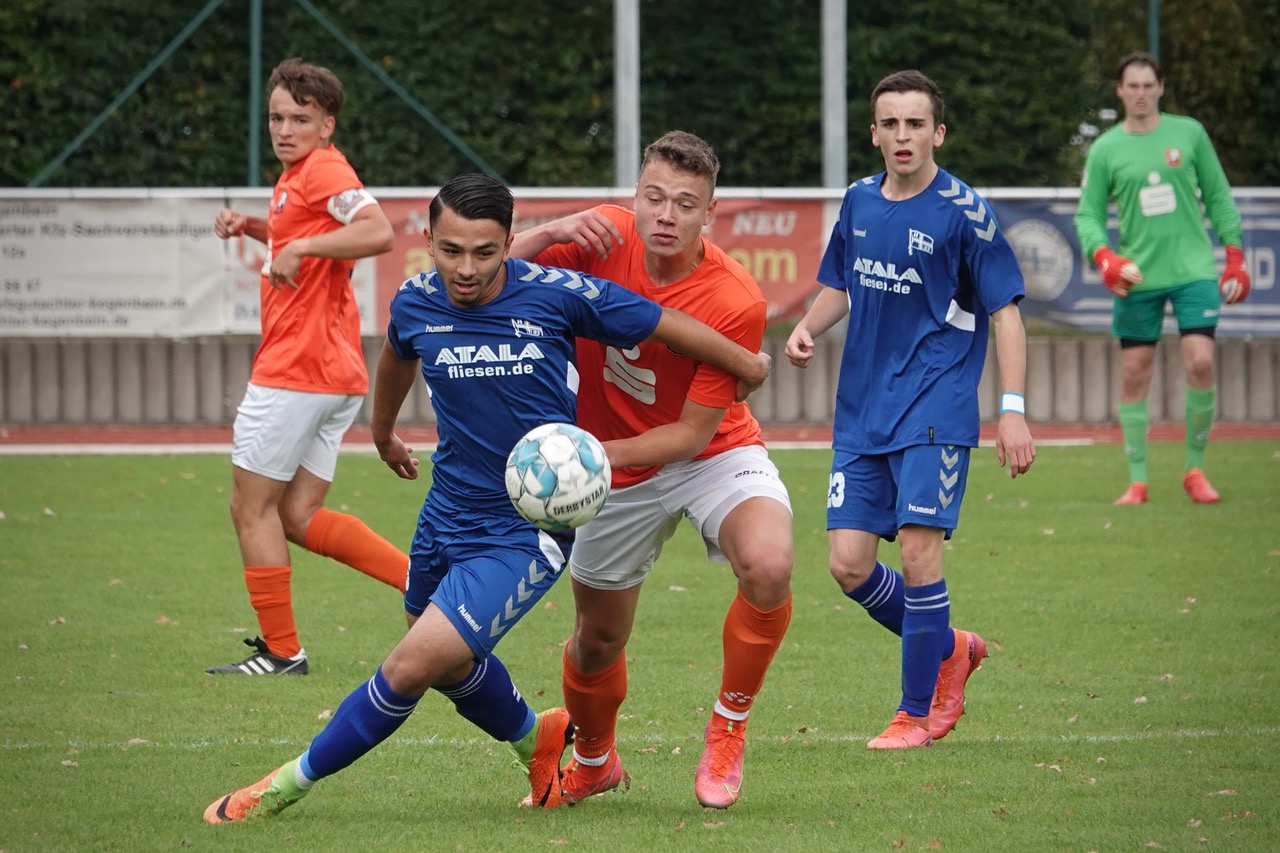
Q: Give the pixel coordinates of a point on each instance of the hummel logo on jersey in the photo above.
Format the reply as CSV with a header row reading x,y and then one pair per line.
x,y
923,510
432,330
919,240
483,354
975,210
564,278
859,232
524,327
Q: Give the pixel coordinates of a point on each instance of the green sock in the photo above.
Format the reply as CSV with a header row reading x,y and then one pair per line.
x,y
1133,423
1200,405
524,747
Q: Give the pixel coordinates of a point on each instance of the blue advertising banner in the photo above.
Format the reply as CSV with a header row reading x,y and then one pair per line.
x,y
1064,287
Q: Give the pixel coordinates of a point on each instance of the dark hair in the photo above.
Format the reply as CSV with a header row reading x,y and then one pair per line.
x,y
474,196
686,152
1139,57
911,81
307,83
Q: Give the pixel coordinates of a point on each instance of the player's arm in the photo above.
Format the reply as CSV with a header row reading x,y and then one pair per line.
x,y
684,438
702,343
392,381
368,233
1119,273
1013,437
230,223
1224,215
590,230
829,307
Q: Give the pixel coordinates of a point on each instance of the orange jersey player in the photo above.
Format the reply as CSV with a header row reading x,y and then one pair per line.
x,y
709,464
309,376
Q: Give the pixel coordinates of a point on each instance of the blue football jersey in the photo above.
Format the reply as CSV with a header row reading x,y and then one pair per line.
x,y
497,370
922,277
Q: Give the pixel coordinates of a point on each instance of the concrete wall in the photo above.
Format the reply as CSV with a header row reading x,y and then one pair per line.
x,y
201,381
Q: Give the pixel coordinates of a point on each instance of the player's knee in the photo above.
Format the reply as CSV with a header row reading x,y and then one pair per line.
x,y
849,575
767,571
594,649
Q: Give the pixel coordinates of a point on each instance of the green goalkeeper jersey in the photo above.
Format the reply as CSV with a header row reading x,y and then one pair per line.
x,y
1154,178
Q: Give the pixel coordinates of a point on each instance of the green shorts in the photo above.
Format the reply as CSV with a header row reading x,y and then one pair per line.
x,y
1140,316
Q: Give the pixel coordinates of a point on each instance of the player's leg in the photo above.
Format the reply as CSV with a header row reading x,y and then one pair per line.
x,y
343,537
1195,305
930,488
612,556
272,430
369,715
1136,322
741,508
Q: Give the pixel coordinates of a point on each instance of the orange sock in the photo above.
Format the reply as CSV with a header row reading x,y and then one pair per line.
x,y
272,601
593,701
349,540
751,637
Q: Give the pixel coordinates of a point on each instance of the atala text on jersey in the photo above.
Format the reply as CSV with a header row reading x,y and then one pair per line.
x,y
505,361
878,276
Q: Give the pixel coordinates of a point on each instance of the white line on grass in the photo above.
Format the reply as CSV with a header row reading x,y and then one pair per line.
x,y
638,741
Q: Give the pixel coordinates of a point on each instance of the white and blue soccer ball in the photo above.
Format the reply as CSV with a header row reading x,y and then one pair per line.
x,y
558,476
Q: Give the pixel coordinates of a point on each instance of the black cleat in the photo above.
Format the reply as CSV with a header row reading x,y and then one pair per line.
x,y
262,662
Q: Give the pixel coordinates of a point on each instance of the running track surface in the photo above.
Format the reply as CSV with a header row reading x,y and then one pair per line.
x,y
34,437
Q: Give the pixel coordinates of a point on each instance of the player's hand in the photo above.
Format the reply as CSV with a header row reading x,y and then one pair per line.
x,y
398,457
1234,285
745,388
591,230
229,224
1013,443
284,266
800,347
1119,273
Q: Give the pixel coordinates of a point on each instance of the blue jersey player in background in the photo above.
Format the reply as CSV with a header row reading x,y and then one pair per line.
x,y
918,264
495,340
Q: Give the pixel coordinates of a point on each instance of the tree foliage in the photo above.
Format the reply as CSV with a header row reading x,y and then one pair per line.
x,y
529,87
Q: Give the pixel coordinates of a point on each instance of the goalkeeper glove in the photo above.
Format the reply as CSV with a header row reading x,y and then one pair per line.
x,y
1118,273
1234,285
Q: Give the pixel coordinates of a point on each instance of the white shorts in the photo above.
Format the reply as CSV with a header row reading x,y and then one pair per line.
x,y
276,431
617,548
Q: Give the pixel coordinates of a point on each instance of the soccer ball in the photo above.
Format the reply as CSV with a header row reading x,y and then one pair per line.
x,y
558,476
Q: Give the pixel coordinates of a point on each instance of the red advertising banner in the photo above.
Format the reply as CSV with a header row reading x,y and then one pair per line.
x,y
779,241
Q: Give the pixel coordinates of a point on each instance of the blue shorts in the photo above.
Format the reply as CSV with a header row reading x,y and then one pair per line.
x,y
484,574
921,485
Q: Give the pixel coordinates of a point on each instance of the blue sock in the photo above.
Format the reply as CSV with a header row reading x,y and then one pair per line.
x,y
881,595
367,717
488,698
925,632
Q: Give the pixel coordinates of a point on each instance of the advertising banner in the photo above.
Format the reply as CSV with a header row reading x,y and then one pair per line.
x,y
140,263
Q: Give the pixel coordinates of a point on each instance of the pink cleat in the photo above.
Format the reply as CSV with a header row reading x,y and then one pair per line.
x,y
1135,494
948,695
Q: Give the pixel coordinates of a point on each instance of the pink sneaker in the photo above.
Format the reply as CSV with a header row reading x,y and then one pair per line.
x,y
948,695
580,781
1196,484
1135,494
719,777
903,733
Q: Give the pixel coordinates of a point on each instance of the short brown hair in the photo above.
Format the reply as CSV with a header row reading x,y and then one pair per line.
x,y
910,81
686,152
306,83
1139,57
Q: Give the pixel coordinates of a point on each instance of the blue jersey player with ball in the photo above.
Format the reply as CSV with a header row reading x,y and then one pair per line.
x,y
494,339
919,265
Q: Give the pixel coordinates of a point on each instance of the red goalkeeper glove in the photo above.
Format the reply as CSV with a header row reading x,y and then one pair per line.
x,y
1118,272
1234,285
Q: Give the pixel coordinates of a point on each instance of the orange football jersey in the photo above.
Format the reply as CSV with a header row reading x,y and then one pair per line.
x,y
626,392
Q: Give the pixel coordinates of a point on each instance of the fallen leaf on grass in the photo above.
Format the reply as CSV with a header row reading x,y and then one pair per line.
x,y
162,620
1225,792
550,605
713,824
136,741
67,762
680,826
58,620
1001,812
115,582
1153,845
1140,700
934,844
1195,823
674,588
326,714
49,512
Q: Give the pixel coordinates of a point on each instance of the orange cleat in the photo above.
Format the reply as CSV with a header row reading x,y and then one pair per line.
x,y
264,798
1196,484
904,732
555,733
718,780
580,781
948,695
1135,494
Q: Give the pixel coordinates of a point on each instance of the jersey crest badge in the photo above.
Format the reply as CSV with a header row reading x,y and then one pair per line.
x,y
1173,157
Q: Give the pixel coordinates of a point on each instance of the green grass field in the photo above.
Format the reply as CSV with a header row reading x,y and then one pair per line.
x,y
1131,700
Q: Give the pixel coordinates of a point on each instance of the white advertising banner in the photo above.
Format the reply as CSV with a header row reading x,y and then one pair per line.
x,y
135,267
